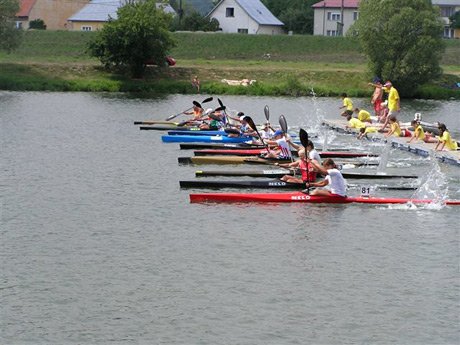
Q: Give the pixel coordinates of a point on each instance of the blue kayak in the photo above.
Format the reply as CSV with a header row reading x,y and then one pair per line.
x,y
202,139
174,132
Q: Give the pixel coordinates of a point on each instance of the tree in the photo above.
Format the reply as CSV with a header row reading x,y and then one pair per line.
x,y
37,24
140,34
196,22
10,36
297,15
402,41
455,19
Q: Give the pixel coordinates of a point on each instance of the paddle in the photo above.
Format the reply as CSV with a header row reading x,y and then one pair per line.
x,y
304,140
284,128
195,103
267,113
251,124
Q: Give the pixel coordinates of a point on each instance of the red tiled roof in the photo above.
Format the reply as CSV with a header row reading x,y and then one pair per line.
x,y
26,6
337,4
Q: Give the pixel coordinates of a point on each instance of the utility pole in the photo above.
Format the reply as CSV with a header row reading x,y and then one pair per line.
x,y
180,14
341,20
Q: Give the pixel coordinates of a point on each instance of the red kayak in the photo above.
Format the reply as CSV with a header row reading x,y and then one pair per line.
x,y
250,152
301,197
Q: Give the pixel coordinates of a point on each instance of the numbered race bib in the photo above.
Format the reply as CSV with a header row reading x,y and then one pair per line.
x,y
365,191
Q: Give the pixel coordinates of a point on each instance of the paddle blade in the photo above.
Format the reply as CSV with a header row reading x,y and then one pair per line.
x,y
209,99
215,117
283,124
171,117
267,113
303,137
220,103
231,131
251,123
196,104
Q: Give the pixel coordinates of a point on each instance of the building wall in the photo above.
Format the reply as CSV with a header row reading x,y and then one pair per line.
x,y
55,12
326,25
241,21
85,26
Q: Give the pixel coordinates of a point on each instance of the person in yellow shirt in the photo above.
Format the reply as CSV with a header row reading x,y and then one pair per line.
x,y
445,139
419,133
348,104
394,103
363,115
354,123
395,129
363,131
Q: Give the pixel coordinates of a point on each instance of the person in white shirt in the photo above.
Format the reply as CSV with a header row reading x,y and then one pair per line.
x,y
283,151
267,132
334,179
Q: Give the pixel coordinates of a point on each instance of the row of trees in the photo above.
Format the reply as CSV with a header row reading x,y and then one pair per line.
x,y
402,41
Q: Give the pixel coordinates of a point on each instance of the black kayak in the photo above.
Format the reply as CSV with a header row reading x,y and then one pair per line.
x,y
193,146
275,183
170,128
282,172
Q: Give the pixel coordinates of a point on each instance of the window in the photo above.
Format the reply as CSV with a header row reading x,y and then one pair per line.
x,y
331,33
86,28
449,33
18,25
334,16
355,16
447,11
242,31
229,12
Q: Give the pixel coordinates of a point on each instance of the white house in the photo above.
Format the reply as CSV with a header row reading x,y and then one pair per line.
x,y
245,17
328,16
93,16
448,8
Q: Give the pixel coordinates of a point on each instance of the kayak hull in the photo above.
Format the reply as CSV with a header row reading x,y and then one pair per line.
x,y
281,172
229,160
259,151
196,132
273,183
247,160
156,123
299,197
169,128
230,146
201,138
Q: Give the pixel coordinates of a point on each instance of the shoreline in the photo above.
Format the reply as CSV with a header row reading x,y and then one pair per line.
x,y
272,79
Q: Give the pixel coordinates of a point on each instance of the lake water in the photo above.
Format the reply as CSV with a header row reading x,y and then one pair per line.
x,y
100,245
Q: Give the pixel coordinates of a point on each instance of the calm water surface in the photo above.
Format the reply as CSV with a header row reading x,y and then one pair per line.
x,y
99,244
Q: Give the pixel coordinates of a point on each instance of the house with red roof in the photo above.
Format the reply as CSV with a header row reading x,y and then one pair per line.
x,y
53,12
334,17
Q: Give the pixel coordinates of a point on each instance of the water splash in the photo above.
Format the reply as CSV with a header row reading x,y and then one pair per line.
x,y
384,158
433,186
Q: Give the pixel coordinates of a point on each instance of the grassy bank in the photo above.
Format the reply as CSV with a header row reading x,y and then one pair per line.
x,y
282,65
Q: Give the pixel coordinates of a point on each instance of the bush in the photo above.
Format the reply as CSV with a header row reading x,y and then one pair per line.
x,y
37,24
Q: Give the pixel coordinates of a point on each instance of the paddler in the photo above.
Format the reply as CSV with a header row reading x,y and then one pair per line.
x,y
243,128
214,124
396,129
301,164
353,122
419,133
365,130
363,115
445,139
334,180
283,151
312,153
